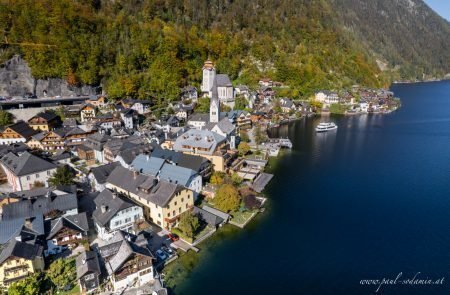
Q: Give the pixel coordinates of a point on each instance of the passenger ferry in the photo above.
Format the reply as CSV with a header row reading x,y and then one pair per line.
x,y
324,127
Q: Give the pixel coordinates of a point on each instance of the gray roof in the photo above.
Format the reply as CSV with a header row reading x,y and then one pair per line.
x,y
166,171
76,222
177,174
23,129
208,217
112,203
225,126
184,160
87,262
223,80
147,165
26,163
203,139
70,122
149,188
199,117
101,173
9,229
41,205
119,249
217,212
21,250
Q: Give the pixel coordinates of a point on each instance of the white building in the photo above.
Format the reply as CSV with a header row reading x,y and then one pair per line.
x,y
24,170
113,213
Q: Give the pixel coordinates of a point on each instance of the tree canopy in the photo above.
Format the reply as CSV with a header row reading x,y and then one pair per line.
x,y
189,224
227,198
6,118
62,176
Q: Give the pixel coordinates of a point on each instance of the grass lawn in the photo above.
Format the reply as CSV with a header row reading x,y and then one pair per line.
x,y
241,217
337,108
73,291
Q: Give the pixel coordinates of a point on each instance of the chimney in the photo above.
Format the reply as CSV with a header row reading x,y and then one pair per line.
x,y
148,157
103,208
84,261
128,237
135,173
114,195
165,135
48,194
19,238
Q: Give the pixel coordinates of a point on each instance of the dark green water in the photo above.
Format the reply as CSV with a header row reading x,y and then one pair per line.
x,y
366,202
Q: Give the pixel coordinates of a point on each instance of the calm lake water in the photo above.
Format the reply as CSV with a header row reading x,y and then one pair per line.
x,y
366,202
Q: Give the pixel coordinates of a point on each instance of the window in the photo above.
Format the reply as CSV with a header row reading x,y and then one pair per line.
x,y
28,177
175,203
173,212
179,210
182,200
127,219
186,205
159,215
168,214
37,175
48,173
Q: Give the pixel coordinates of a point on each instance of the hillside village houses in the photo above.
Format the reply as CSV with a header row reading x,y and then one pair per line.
x,y
17,132
138,172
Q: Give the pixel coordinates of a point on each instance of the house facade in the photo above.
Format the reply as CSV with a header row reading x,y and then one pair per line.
x,y
24,170
127,262
18,132
18,260
44,121
114,213
163,202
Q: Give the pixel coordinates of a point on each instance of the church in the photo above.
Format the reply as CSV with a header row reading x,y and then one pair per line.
x,y
215,121
216,82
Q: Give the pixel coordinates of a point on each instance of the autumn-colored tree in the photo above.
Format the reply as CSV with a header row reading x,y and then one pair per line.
x,y
227,198
243,148
217,178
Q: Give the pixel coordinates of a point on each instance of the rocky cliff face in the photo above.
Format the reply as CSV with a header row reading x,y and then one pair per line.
x,y
16,80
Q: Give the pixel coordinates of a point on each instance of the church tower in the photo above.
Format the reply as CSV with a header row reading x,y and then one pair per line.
x,y
209,76
214,104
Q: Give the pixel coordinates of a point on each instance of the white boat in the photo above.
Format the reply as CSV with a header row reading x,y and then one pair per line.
x,y
324,127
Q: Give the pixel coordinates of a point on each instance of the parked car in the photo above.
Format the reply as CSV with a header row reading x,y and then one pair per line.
x,y
168,250
173,237
161,255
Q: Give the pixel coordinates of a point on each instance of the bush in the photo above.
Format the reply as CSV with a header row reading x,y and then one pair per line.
x,y
251,202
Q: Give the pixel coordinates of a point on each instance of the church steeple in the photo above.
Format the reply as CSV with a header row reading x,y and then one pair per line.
x,y
209,75
214,105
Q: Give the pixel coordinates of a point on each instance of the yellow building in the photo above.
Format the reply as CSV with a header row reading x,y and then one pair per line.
x,y
18,260
44,121
163,202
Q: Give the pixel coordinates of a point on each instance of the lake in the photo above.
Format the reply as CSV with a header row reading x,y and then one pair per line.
x,y
366,202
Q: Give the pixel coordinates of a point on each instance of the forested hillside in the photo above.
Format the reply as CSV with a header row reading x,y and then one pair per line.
x,y
151,48
406,34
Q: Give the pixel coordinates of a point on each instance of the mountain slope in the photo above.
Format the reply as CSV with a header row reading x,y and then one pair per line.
x,y
151,48
404,33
